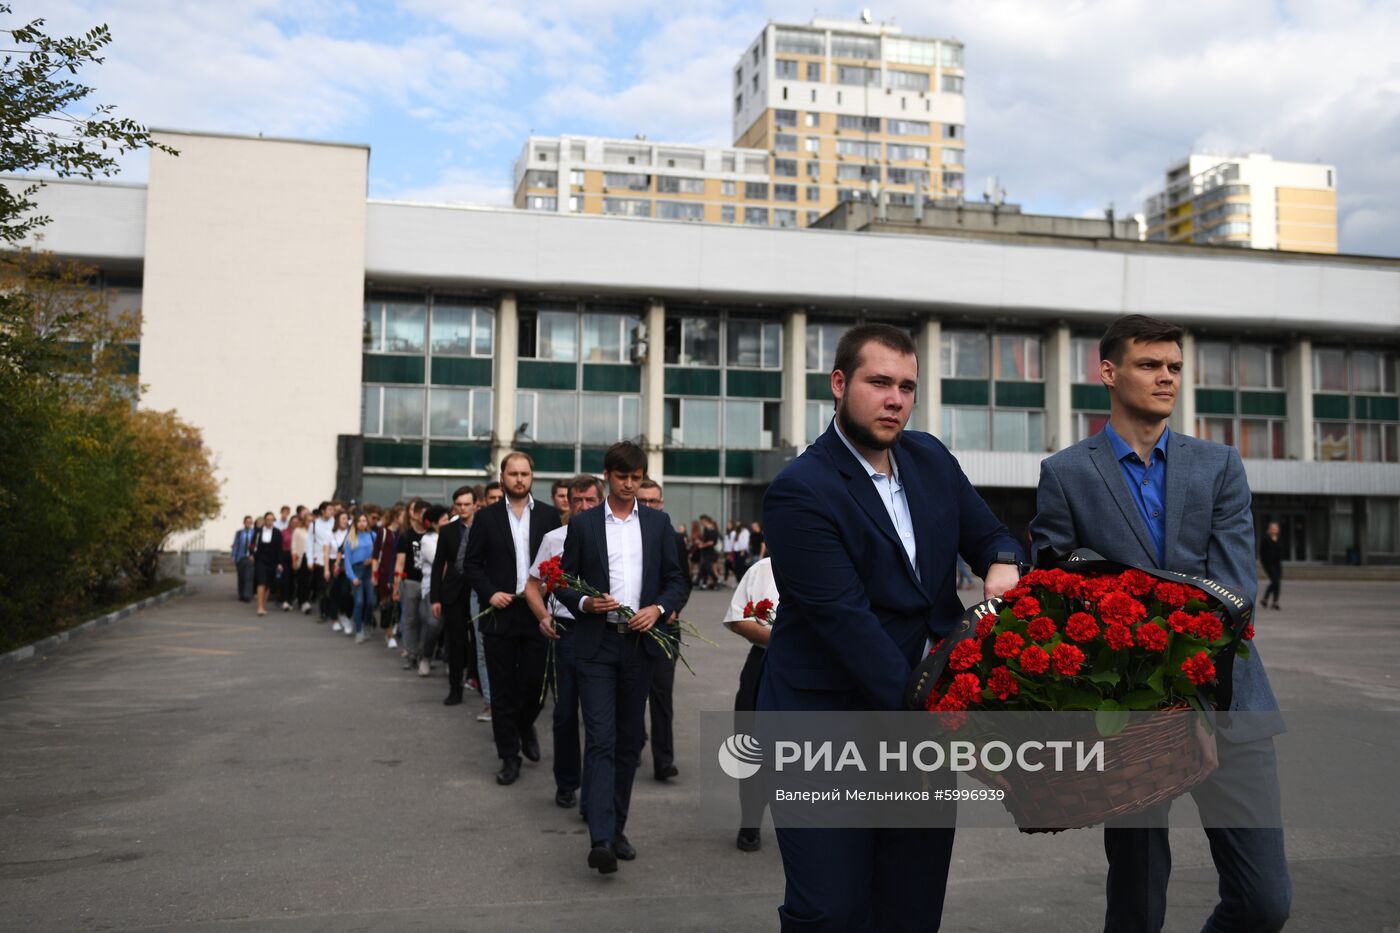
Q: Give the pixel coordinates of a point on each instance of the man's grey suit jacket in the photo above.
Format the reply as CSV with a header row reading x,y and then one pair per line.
x,y
1084,501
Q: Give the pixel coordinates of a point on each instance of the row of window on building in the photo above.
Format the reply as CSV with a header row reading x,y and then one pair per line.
x,y
992,382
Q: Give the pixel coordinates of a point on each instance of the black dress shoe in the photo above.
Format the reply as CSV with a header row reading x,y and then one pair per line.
x,y
748,840
454,698
530,745
623,848
669,771
510,770
603,857
565,798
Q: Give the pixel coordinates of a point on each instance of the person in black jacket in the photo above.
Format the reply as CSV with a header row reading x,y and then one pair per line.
x,y
625,552
267,557
504,539
450,593
663,674
1271,556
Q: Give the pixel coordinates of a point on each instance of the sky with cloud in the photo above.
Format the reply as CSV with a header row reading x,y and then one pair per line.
x,y
1072,104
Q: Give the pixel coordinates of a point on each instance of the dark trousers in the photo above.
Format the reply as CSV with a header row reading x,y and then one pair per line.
x,y
1255,889
871,880
707,568
613,687
460,638
516,666
663,740
245,579
289,584
319,585
753,794
301,579
568,757
1275,575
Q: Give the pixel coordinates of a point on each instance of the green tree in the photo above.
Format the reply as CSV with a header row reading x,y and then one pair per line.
x,y
42,124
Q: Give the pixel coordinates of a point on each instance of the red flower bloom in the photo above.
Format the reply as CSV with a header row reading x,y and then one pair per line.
x,y
965,654
1027,607
1152,637
985,626
1207,626
1042,628
1118,637
1067,659
1173,594
762,610
1081,627
1017,592
1199,670
1193,593
1003,683
1034,660
1008,645
1118,608
1181,621
1248,633
552,574
748,609
1136,582
967,688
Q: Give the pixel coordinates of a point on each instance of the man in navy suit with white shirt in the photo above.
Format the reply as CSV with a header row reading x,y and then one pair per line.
x,y
865,529
627,553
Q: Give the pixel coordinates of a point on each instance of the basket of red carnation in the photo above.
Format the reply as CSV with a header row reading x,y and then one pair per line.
x,y
1091,636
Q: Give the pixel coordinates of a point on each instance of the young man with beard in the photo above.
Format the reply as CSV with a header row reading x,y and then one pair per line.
x,y
505,537
866,527
1139,494
626,552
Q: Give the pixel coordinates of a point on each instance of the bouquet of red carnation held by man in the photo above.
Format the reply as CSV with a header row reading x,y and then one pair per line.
x,y
669,637
1140,653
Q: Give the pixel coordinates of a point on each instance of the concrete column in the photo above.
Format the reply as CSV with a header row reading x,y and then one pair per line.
x,y
930,402
1059,375
1183,420
654,388
794,412
504,418
1298,382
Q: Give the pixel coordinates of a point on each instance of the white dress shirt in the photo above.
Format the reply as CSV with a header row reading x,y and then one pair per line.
x,y
520,533
427,551
624,538
891,492
551,546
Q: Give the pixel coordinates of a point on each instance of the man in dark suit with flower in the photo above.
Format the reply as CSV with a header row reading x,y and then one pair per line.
x,y
1139,494
865,529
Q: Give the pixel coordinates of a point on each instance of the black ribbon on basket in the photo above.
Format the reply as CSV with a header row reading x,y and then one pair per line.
x,y
926,674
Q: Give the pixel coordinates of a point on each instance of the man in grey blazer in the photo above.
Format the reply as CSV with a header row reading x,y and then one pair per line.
x,y
1138,493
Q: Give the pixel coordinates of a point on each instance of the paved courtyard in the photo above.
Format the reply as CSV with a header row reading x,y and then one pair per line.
x,y
195,766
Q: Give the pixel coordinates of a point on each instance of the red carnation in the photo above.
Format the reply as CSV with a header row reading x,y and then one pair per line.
x,y
1118,637
985,625
1008,645
1181,621
1173,594
1027,607
1119,608
763,609
1193,593
1003,683
1017,592
1034,660
965,654
748,609
1248,634
1199,670
1041,628
1152,637
1136,582
1065,583
552,574
967,688
1207,626
1081,627
1067,659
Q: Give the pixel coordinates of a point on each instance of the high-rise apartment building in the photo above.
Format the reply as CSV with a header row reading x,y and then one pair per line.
x,y
1249,201
850,109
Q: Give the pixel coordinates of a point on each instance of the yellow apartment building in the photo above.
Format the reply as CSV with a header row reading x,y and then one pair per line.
x,y
1251,201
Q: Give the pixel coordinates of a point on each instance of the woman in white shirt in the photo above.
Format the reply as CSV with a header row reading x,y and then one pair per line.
x,y
754,587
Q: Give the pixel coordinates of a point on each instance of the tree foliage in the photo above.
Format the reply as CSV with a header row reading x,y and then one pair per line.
x,y
43,126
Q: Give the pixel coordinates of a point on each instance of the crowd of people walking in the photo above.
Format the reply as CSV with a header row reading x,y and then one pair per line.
x,y
458,588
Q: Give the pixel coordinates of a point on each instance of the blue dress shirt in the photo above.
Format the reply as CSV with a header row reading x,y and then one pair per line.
x,y
1148,484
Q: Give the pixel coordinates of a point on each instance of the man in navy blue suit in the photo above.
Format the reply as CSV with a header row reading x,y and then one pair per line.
x,y
865,529
627,553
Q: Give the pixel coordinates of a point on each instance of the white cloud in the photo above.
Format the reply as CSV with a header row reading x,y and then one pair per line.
x,y
460,186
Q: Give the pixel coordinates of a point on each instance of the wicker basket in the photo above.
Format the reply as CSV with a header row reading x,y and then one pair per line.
x,y
1154,759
